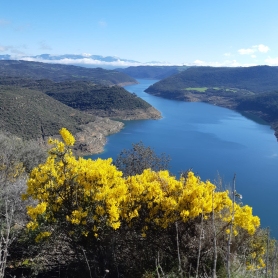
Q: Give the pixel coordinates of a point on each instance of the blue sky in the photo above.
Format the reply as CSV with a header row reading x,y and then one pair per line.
x,y
190,32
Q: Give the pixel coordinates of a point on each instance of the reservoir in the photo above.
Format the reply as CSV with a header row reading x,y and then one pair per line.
x,y
212,141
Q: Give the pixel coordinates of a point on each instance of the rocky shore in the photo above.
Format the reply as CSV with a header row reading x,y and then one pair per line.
x,y
92,138
128,114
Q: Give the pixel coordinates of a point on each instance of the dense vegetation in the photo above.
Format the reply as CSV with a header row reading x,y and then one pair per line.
x,y
32,108
152,72
58,72
84,219
252,90
88,96
266,104
31,114
255,79
83,95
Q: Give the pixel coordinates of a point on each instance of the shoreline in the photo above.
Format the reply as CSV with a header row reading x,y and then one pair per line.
x,y
93,137
225,102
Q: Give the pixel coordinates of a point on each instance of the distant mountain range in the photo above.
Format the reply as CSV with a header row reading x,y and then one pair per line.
x,y
85,60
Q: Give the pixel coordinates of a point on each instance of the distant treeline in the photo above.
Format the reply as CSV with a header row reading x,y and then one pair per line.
x,y
58,72
257,79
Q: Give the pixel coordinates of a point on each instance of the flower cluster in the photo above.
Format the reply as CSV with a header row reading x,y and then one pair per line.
x,y
86,196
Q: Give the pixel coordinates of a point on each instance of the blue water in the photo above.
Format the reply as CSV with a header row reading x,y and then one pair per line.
x,y
213,141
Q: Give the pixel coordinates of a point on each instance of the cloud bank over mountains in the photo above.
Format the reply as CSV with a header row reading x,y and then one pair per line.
x,y
85,59
244,57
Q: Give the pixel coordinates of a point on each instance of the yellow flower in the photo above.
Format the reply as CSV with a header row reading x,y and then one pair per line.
x,y
67,137
93,193
42,235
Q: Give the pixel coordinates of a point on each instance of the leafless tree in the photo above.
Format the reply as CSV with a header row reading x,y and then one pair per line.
x,y
138,158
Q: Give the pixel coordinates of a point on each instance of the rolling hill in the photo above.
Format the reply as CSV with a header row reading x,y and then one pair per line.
x,y
255,79
96,99
58,72
31,114
250,90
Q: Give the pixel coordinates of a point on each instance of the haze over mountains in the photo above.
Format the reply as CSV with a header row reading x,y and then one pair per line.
x,y
85,60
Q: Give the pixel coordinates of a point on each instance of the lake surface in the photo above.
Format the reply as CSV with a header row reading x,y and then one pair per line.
x,y
212,141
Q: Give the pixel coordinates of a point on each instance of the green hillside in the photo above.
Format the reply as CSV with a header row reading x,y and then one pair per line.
x,y
33,109
251,89
265,103
31,114
58,72
88,96
255,79
82,95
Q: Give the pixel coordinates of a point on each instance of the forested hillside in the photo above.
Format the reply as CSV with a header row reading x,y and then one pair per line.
x,y
27,111
58,72
87,96
255,79
253,90
108,101
31,114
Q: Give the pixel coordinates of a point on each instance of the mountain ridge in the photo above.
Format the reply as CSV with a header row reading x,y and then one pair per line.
x,y
59,72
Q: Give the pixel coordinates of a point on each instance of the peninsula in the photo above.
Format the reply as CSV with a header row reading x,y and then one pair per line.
x,y
252,90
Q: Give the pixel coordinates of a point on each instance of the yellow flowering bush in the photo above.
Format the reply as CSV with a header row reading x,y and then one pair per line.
x,y
90,191
85,198
80,194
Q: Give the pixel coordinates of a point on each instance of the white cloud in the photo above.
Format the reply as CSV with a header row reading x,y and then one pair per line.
x,y
84,61
228,54
87,61
255,48
199,63
86,55
226,63
272,61
246,51
262,48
